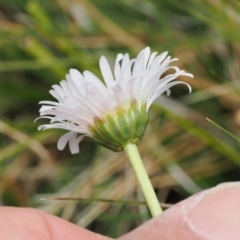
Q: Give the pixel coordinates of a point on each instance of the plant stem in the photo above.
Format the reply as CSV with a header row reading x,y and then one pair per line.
x,y
143,179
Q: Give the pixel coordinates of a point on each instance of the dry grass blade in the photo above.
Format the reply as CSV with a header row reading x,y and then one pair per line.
x,y
32,144
111,201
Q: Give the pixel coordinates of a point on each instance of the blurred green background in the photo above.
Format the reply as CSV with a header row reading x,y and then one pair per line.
x,y
183,153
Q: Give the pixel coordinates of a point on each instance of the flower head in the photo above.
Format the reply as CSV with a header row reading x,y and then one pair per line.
x,y
114,113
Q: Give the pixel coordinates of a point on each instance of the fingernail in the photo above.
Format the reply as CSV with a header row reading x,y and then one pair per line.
x,y
215,214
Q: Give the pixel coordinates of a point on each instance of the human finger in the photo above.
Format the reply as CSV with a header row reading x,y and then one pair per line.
x,y
29,224
213,214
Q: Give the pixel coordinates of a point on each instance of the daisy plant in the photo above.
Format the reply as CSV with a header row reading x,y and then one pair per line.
x,y
114,112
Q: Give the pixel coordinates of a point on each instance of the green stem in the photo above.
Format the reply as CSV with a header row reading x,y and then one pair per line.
x,y
143,179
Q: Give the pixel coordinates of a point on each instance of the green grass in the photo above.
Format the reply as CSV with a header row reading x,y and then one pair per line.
x,y
41,40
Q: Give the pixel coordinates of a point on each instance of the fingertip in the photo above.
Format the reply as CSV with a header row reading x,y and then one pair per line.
x,y
217,215
211,214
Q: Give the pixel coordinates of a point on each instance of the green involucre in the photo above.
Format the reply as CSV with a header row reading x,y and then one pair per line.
x,y
120,127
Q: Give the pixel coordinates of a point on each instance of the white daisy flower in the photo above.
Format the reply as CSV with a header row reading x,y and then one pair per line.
x,y
114,113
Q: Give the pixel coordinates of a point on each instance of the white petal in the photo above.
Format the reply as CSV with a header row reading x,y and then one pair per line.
x,y
160,90
79,80
96,82
117,68
160,62
138,65
125,60
77,76
74,144
62,142
151,59
126,74
119,95
146,54
106,71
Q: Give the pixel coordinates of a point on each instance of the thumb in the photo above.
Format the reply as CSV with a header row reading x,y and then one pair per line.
x,y
213,214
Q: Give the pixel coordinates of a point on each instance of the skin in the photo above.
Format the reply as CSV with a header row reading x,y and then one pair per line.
x,y
213,214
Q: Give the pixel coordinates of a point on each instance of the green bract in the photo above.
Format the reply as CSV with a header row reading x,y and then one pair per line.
x,y
122,126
